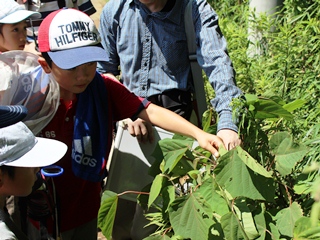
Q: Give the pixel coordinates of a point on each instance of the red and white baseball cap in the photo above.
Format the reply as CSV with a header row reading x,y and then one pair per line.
x,y
70,38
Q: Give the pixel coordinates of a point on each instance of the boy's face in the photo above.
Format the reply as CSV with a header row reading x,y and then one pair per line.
x,y
22,183
72,81
13,37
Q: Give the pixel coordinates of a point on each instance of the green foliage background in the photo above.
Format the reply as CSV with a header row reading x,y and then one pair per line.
x,y
288,67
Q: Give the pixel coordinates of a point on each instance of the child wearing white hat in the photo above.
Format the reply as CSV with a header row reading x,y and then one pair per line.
x,y
21,156
13,25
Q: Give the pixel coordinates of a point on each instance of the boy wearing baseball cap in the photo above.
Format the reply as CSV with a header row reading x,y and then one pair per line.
x,y
21,156
89,105
13,24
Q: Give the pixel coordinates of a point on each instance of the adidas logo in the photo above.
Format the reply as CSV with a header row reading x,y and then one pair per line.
x,y
82,152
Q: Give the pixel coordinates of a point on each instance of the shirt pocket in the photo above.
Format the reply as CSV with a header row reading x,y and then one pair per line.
x,y
174,52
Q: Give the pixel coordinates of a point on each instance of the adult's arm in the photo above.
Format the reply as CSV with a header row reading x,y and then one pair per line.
x,y
213,57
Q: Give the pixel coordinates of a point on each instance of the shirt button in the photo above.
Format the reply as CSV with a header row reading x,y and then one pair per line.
x,y
143,87
67,119
145,64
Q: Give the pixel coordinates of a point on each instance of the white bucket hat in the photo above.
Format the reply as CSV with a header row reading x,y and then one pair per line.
x,y
20,148
12,12
23,82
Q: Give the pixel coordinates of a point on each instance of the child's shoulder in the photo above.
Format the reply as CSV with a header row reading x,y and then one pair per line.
x,y
114,86
110,79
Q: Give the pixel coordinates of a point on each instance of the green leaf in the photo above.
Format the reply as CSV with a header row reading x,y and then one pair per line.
x,y
107,213
260,222
209,191
246,219
231,228
206,120
286,218
155,168
267,108
193,174
158,237
304,229
251,99
277,139
168,196
240,181
304,183
182,167
252,163
173,150
290,107
155,189
287,154
191,218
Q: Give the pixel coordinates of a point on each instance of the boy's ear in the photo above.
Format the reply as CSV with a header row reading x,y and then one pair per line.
x,y
44,65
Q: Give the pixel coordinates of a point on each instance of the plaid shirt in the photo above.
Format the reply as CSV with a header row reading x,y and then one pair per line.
x,y
152,52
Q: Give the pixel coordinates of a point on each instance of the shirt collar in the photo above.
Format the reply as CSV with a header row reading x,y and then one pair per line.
x,y
174,15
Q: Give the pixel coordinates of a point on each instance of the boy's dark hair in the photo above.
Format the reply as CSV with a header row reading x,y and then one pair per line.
x,y
46,57
9,170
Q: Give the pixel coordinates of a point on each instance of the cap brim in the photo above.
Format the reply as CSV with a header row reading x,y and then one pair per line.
x,y
19,16
12,114
71,58
45,153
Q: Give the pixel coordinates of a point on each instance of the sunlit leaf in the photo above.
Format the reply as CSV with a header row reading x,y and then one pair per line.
x,y
231,227
191,218
304,229
252,163
240,181
290,107
107,213
287,217
267,108
155,189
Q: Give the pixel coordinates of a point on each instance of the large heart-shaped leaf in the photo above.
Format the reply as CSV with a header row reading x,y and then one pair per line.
x,y
233,174
191,218
287,217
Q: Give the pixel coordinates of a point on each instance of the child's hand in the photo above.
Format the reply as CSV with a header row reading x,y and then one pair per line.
x,y
210,142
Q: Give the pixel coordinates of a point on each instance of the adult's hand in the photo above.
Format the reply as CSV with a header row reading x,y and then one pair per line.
x,y
230,138
140,129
